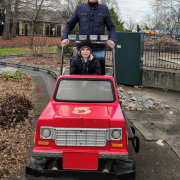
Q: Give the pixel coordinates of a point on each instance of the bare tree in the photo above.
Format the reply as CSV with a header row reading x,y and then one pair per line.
x,y
166,14
172,5
147,21
11,8
34,20
16,10
130,23
36,11
6,32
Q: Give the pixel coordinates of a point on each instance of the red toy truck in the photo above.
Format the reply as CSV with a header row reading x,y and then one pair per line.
x,y
83,133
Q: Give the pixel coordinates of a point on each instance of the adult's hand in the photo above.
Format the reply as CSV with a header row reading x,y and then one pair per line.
x,y
110,43
65,42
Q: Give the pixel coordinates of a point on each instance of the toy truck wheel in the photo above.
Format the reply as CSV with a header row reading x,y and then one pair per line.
x,y
123,166
37,163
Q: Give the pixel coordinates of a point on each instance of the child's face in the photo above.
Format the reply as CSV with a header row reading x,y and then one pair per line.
x,y
93,1
85,52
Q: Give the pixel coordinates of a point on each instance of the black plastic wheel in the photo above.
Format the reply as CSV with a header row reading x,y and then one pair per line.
x,y
37,163
123,166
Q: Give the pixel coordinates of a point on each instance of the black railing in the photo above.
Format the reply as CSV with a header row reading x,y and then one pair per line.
x,y
164,57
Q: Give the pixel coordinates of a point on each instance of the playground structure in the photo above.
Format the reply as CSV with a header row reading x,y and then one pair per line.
x,y
148,32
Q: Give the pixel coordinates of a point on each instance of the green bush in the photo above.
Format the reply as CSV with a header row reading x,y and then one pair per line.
x,y
67,50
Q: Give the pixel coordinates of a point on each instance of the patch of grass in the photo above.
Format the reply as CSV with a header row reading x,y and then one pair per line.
x,y
16,75
14,51
11,51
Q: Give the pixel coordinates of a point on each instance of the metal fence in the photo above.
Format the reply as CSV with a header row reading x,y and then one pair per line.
x,y
162,57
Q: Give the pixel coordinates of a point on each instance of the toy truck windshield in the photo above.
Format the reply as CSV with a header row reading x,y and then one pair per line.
x,y
84,90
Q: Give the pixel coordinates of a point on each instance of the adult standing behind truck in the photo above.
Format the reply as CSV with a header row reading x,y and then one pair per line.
x,y
92,18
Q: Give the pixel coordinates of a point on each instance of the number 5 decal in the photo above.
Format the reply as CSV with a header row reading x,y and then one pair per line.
x,y
81,110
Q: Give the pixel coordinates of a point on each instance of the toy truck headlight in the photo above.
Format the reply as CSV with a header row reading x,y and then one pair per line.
x,y
115,134
46,133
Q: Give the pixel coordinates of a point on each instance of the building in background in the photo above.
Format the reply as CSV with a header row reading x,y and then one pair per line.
x,y
48,25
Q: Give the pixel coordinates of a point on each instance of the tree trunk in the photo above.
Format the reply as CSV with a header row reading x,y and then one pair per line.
x,y
6,31
14,29
32,34
34,22
15,19
171,33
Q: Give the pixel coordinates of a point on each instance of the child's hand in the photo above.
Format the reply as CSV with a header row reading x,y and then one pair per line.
x,y
84,83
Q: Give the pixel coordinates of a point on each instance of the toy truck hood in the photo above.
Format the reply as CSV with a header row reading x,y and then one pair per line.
x,y
83,115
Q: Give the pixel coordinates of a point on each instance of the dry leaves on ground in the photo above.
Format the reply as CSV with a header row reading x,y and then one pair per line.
x,y
24,40
14,140
44,62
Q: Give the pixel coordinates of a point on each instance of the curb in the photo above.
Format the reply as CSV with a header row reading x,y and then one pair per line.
x,y
35,68
27,55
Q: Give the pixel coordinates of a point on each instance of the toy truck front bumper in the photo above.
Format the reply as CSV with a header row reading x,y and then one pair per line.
x,y
77,172
77,160
33,174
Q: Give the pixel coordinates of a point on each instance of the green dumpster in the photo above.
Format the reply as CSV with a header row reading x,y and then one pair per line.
x,y
129,58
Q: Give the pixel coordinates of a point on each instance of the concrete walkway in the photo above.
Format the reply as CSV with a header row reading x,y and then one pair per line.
x,y
158,124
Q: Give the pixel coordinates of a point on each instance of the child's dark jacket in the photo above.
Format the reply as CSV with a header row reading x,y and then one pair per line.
x,y
93,66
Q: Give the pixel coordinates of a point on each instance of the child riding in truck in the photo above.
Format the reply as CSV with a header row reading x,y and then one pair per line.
x,y
85,62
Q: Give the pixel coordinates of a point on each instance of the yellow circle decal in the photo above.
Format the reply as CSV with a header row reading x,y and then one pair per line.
x,y
81,110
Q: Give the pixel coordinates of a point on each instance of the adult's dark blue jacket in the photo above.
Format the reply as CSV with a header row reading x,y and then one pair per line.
x,y
92,21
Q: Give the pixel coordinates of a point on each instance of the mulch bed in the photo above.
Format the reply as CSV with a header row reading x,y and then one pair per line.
x,y
24,40
49,62
15,125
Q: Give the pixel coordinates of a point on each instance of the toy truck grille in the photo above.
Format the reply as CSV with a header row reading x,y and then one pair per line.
x,y
81,137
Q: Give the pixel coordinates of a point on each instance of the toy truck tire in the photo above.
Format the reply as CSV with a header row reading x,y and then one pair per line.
x,y
123,166
38,163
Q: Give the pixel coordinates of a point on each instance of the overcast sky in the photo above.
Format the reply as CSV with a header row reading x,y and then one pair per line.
x,y
135,9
